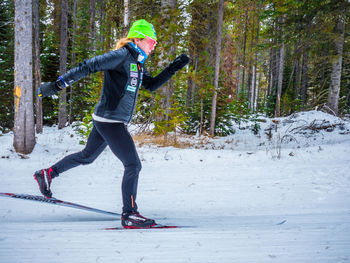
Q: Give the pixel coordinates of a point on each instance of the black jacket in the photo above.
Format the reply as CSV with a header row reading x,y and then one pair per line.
x,y
123,76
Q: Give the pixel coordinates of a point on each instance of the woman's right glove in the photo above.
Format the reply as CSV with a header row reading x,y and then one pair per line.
x,y
178,63
47,89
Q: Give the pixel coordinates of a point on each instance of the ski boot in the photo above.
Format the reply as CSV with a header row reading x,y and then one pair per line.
x,y
44,179
135,220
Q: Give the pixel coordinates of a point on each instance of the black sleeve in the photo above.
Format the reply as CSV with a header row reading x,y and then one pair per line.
x,y
153,83
107,61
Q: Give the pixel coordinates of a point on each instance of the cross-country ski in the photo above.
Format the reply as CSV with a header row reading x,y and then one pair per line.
x,y
55,201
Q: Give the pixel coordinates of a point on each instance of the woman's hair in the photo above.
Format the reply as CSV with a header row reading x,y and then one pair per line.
x,y
123,41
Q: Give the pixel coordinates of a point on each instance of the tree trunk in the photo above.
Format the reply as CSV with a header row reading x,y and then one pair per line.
x,y
297,78
253,88
101,22
280,73
126,16
334,88
38,102
217,65
73,57
255,91
258,92
280,81
244,49
92,26
238,71
168,89
24,134
273,72
251,68
270,80
304,76
62,112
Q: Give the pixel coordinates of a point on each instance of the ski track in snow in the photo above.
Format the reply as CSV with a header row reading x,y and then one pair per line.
x,y
235,205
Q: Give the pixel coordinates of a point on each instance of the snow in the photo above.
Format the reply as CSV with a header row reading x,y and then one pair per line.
x,y
241,198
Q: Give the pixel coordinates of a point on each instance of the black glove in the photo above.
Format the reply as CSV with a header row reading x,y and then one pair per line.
x,y
47,89
178,63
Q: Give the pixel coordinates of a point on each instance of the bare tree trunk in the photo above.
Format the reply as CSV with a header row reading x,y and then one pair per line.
x,y
334,88
38,102
62,112
254,98
270,80
280,81
24,134
274,57
297,78
252,88
70,118
217,65
92,26
238,71
126,16
274,78
280,75
304,76
244,49
251,68
258,93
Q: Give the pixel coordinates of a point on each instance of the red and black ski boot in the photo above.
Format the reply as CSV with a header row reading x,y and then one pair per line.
x,y
136,220
44,179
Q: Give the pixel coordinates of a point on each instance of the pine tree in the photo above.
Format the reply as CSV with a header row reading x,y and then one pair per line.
x,y
217,64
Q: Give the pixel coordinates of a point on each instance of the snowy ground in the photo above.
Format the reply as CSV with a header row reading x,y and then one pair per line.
x,y
242,198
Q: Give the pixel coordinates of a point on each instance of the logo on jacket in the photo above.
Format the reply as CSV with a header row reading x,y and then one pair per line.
x,y
131,88
133,82
134,74
133,67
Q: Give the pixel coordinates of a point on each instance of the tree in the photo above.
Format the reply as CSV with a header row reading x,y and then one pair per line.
x,y
24,135
217,64
168,51
126,16
37,75
334,88
92,26
74,31
62,112
280,73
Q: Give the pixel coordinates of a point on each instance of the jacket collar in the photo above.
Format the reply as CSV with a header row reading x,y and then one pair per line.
x,y
136,52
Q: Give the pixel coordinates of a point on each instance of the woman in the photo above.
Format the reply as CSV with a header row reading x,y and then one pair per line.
x,y
124,73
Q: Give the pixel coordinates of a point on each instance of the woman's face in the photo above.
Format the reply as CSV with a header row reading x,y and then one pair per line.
x,y
146,44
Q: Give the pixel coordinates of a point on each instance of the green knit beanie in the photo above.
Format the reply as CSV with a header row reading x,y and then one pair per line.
x,y
141,29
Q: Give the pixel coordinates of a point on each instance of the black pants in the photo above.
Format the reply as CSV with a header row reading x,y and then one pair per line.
x,y
117,137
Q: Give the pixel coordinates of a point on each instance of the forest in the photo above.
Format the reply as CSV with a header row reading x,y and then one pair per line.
x,y
248,58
